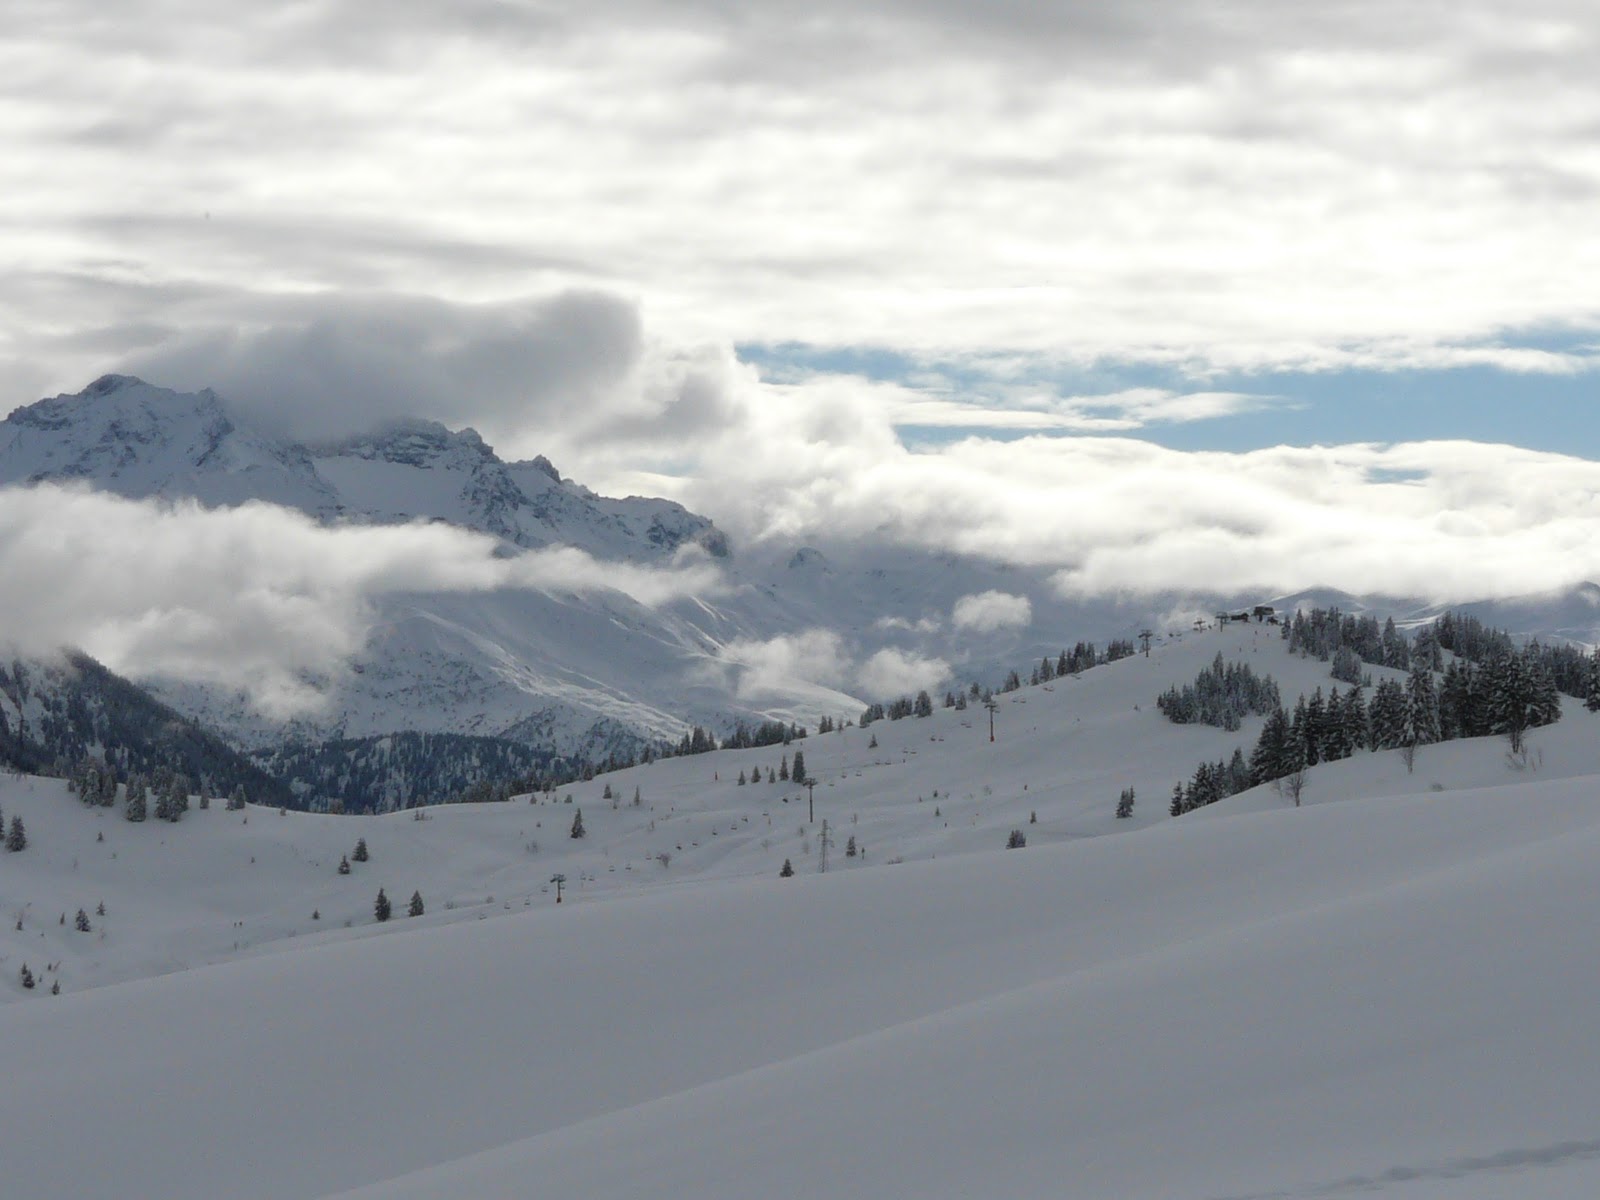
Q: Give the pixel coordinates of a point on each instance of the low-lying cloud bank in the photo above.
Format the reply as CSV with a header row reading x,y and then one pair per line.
x,y
764,668
258,596
1441,520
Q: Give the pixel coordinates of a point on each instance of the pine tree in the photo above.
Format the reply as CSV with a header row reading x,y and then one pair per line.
x,y
783,769
1353,715
1591,691
1510,694
577,824
134,806
81,922
787,871
416,905
1422,707
1125,804
236,798
380,907
741,778
1180,802
177,799
1016,840
924,705
850,847
1269,760
344,865
798,772
26,976
16,836
1387,715
359,854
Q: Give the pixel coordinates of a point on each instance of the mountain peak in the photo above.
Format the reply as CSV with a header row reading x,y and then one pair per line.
x,y
417,443
136,439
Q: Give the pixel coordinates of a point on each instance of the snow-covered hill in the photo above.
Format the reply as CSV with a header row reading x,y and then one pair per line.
x,y
1387,991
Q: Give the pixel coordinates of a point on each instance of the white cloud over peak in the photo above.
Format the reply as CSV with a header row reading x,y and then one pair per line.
x,y
985,612
258,597
893,672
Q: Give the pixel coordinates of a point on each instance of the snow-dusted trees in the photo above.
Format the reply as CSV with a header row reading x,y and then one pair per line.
x,y
1520,697
415,909
1422,707
16,836
1277,751
924,705
1387,715
1346,665
1125,804
787,871
236,798
359,854
799,771
380,907
1221,695
134,803
578,830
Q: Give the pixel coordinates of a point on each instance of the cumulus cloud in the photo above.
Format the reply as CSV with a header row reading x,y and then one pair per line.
x,y
987,611
256,596
1449,520
895,672
774,665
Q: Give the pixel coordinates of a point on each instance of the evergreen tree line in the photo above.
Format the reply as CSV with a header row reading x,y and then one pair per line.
x,y
1347,641
768,733
1211,782
62,715
1221,695
403,770
1081,657
1507,695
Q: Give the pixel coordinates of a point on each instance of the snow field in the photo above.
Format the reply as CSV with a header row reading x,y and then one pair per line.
x,y
1391,993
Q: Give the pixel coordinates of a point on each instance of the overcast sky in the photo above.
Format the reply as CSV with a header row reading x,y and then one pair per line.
x,y
897,268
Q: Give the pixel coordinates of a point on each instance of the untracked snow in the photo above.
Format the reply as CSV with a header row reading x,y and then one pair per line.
x,y
1387,991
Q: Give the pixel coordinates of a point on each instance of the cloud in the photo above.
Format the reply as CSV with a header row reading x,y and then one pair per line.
x,y
772,666
987,611
895,672
256,596
1207,184
332,366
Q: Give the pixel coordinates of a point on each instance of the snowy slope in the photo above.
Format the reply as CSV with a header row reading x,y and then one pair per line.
x,y
929,789
1389,991
1386,990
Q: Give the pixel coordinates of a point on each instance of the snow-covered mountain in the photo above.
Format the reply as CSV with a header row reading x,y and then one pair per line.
x,y
587,675
582,675
1387,991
